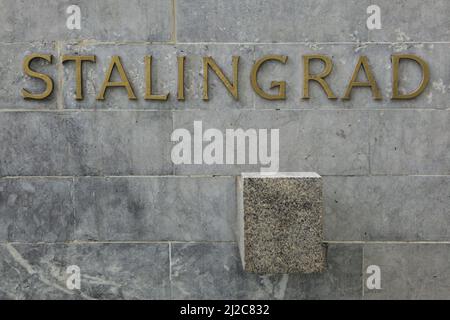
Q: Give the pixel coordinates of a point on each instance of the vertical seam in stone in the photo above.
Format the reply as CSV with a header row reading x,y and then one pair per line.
x,y
253,92
369,138
174,22
170,269
170,142
366,28
72,190
362,272
60,78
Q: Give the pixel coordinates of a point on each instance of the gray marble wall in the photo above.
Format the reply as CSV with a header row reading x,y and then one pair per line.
x,y
91,183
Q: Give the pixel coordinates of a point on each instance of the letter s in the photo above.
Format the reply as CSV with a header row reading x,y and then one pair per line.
x,y
48,81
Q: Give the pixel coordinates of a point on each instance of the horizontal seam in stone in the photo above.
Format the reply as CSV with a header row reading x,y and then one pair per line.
x,y
80,242
386,242
124,176
171,42
387,109
210,176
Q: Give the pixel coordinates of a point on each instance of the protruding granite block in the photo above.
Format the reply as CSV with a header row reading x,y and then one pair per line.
x,y
280,227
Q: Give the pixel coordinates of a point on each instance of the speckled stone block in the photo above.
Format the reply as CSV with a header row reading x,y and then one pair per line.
x,y
280,222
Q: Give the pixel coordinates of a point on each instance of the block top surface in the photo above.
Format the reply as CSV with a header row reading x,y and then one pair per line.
x,y
280,175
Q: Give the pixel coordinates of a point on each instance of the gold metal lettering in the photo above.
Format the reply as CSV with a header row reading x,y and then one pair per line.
x,y
319,78
78,72
115,62
180,91
48,81
395,76
209,62
281,85
363,63
148,82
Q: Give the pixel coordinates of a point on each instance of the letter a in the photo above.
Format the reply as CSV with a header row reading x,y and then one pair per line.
x,y
74,279
374,20
374,280
74,20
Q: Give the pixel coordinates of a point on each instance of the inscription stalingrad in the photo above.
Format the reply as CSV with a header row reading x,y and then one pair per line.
x,y
277,88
